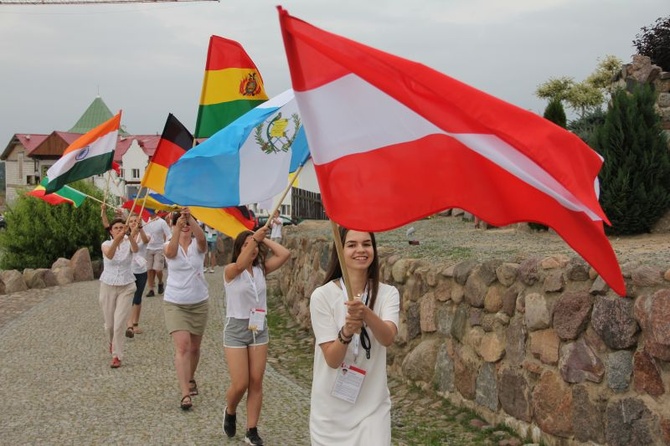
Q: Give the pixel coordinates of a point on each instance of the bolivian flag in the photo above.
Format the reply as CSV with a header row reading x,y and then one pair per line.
x,y
232,86
64,195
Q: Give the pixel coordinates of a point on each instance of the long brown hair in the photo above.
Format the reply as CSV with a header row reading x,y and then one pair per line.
x,y
239,244
335,271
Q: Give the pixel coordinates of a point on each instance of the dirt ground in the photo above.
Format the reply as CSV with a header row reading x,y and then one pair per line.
x,y
448,239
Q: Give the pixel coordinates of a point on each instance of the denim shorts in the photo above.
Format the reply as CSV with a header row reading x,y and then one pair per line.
x,y
236,334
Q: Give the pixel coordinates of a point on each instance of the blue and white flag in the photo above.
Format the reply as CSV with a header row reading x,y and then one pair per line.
x,y
246,162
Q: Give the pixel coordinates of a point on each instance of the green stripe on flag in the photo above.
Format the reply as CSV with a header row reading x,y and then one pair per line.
x,y
212,118
82,169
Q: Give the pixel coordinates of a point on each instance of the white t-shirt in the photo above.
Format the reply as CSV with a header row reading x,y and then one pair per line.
x,y
186,283
333,421
116,271
159,232
276,228
139,264
245,292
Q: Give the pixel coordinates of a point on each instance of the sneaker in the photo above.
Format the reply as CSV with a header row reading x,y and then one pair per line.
x,y
252,437
151,292
229,423
160,288
211,270
116,363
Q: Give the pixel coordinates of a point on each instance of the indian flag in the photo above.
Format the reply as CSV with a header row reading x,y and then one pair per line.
x,y
232,86
91,154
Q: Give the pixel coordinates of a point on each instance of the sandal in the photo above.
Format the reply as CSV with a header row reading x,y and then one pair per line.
x,y
194,388
186,403
130,333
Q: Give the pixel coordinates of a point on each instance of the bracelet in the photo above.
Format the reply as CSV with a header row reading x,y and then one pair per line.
x,y
342,339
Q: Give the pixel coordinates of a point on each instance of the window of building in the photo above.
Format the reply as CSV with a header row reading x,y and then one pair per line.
x,y
135,174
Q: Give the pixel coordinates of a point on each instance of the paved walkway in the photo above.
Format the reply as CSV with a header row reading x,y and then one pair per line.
x,y
58,389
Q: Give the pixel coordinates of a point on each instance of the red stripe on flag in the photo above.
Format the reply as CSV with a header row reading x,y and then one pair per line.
x,y
167,153
225,53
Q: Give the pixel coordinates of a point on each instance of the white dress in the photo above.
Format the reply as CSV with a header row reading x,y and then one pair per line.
x,y
334,421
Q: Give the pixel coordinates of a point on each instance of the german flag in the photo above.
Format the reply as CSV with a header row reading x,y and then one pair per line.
x,y
175,141
232,86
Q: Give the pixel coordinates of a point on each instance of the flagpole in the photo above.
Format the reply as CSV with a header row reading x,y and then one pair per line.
x,y
95,199
288,188
340,257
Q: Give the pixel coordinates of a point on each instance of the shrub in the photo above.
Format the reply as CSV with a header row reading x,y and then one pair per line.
x,y
654,42
585,126
38,233
635,177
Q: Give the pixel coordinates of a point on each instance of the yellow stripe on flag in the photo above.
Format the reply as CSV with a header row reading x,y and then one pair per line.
x,y
218,219
154,178
224,86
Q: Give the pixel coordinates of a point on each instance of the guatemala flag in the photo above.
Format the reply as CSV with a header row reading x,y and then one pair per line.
x,y
246,162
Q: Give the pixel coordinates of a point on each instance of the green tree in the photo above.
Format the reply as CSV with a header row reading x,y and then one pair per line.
x,y
555,113
635,178
586,96
585,126
654,42
38,233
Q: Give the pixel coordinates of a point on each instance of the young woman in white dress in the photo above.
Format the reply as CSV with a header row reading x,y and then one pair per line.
x,y
350,402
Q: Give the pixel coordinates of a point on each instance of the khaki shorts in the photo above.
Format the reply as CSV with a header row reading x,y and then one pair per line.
x,y
155,259
236,334
187,317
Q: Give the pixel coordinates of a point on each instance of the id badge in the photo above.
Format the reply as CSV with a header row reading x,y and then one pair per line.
x,y
257,319
348,383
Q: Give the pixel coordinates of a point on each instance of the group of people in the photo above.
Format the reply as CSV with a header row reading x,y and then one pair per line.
x,y
350,401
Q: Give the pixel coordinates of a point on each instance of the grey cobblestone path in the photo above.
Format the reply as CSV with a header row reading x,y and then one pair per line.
x,y
58,389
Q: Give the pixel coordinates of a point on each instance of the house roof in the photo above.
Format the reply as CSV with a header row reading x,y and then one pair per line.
x,y
95,114
29,141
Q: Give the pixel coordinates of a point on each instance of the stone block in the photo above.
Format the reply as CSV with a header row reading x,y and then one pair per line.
x,y
419,364
629,422
588,421
486,393
544,345
612,318
571,314
619,370
552,405
579,363
538,313
514,394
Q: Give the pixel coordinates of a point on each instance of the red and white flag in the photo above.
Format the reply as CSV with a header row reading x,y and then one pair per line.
x,y
394,141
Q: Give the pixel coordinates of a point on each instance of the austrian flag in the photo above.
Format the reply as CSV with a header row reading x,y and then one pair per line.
x,y
394,141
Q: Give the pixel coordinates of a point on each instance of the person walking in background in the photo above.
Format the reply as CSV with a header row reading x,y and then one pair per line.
x,y
350,400
245,335
117,285
276,225
211,235
139,270
186,300
158,231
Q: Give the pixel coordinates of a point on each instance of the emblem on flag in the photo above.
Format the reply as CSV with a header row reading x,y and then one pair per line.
x,y
279,135
82,153
250,86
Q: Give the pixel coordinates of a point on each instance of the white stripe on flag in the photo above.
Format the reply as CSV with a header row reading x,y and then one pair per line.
x,y
339,128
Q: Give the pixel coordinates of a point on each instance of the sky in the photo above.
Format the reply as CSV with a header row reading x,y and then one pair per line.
x,y
148,59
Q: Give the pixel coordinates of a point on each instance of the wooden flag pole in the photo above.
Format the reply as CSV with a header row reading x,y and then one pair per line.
x,y
340,257
288,188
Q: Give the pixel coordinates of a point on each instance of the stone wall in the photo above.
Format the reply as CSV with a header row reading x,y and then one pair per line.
x,y
541,345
